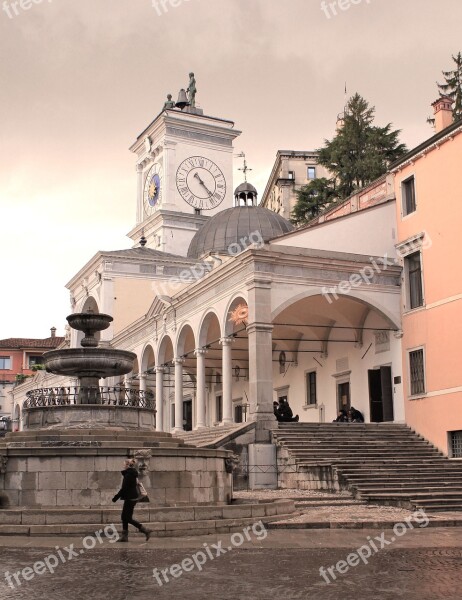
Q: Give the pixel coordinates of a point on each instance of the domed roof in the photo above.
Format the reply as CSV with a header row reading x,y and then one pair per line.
x,y
231,229
245,187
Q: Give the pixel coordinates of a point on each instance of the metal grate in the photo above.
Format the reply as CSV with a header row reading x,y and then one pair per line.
x,y
456,444
417,372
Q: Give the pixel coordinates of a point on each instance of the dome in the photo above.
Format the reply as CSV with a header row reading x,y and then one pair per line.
x,y
233,229
245,187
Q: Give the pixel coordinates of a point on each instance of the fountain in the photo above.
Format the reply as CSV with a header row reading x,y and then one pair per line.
x,y
91,403
75,439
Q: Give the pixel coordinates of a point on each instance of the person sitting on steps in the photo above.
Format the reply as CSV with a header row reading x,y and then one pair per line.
x,y
342,417
355,416
283,412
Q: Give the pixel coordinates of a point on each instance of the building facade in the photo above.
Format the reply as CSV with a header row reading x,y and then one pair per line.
x,y
292,170
429,216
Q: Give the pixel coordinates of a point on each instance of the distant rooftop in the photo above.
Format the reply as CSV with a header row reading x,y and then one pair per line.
x,y
31,344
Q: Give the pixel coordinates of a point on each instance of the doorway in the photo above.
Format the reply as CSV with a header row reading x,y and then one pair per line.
x,y
343,396
381,395
187,415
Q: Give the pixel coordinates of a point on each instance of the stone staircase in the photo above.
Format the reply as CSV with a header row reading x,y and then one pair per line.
x,y
379,463
211,436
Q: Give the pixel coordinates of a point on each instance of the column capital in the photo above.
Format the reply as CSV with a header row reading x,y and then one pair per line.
x,y
159,369
179,361
200,351
226,341
143,376
263,327
139,168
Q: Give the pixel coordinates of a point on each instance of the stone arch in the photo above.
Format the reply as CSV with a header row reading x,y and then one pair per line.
x,y
186,340
228,326
148,359
209,328
377,307
165,353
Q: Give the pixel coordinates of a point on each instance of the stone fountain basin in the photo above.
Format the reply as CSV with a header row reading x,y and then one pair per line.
x,y
89,362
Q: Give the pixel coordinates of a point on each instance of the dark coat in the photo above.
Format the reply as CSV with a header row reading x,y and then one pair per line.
x,y
128,490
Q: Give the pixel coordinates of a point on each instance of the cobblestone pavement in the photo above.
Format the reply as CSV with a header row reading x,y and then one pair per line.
x,y
422,565
333,513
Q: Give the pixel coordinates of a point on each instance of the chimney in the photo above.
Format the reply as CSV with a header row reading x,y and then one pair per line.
x,y
442,109
53,332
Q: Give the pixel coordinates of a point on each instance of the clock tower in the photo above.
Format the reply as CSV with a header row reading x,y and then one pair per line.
x,y
184,164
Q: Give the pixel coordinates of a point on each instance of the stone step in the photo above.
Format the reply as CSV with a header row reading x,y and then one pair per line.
x,y
409,490
326,502
129,443
381,481
388,464
165,521
326,453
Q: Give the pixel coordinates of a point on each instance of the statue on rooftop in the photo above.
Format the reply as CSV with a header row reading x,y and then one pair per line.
x,y
192,90
169,102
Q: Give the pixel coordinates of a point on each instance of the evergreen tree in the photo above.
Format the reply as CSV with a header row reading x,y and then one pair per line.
x,y
311,198
453,86
360,152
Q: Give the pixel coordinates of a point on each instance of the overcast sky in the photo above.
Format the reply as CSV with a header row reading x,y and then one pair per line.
x,y
80,79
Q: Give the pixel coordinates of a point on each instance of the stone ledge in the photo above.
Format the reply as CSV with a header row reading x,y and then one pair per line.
x,y
167,529
181,514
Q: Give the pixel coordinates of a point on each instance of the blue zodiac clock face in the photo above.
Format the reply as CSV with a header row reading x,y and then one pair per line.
x,y
153,189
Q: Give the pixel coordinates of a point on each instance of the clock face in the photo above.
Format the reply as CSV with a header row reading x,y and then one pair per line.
x,y
153,189
201,183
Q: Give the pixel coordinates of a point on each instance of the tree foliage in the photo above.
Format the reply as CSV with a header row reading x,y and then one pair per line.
x,y
453,86
359,153
311,198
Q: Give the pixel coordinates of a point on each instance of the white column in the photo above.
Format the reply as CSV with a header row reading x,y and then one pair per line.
x,y
200,397
227,380
160,398
139,204
143,383
179,362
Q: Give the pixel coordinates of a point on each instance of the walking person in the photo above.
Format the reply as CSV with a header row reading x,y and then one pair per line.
x,y
129,494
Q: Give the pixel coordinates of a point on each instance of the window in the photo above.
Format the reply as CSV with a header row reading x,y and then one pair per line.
x,y
5,362
417,372
456,444
291,174
35,360
408,196
311,174
311,396
413,270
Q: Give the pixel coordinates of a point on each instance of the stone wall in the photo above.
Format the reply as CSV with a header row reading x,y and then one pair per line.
x,y
88,416
90,477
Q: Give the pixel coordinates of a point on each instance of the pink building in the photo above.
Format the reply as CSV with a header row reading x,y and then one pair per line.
x,y
428,189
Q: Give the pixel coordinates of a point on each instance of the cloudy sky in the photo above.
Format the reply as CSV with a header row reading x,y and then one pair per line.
x,y
81,78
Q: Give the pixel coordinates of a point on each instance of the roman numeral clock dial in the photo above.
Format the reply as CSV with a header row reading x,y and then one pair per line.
x,y
201,183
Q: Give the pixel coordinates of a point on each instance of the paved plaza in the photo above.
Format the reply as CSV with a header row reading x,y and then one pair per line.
x,y
424,564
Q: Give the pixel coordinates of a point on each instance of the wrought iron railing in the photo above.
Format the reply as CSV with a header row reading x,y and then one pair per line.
x,y
106,396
